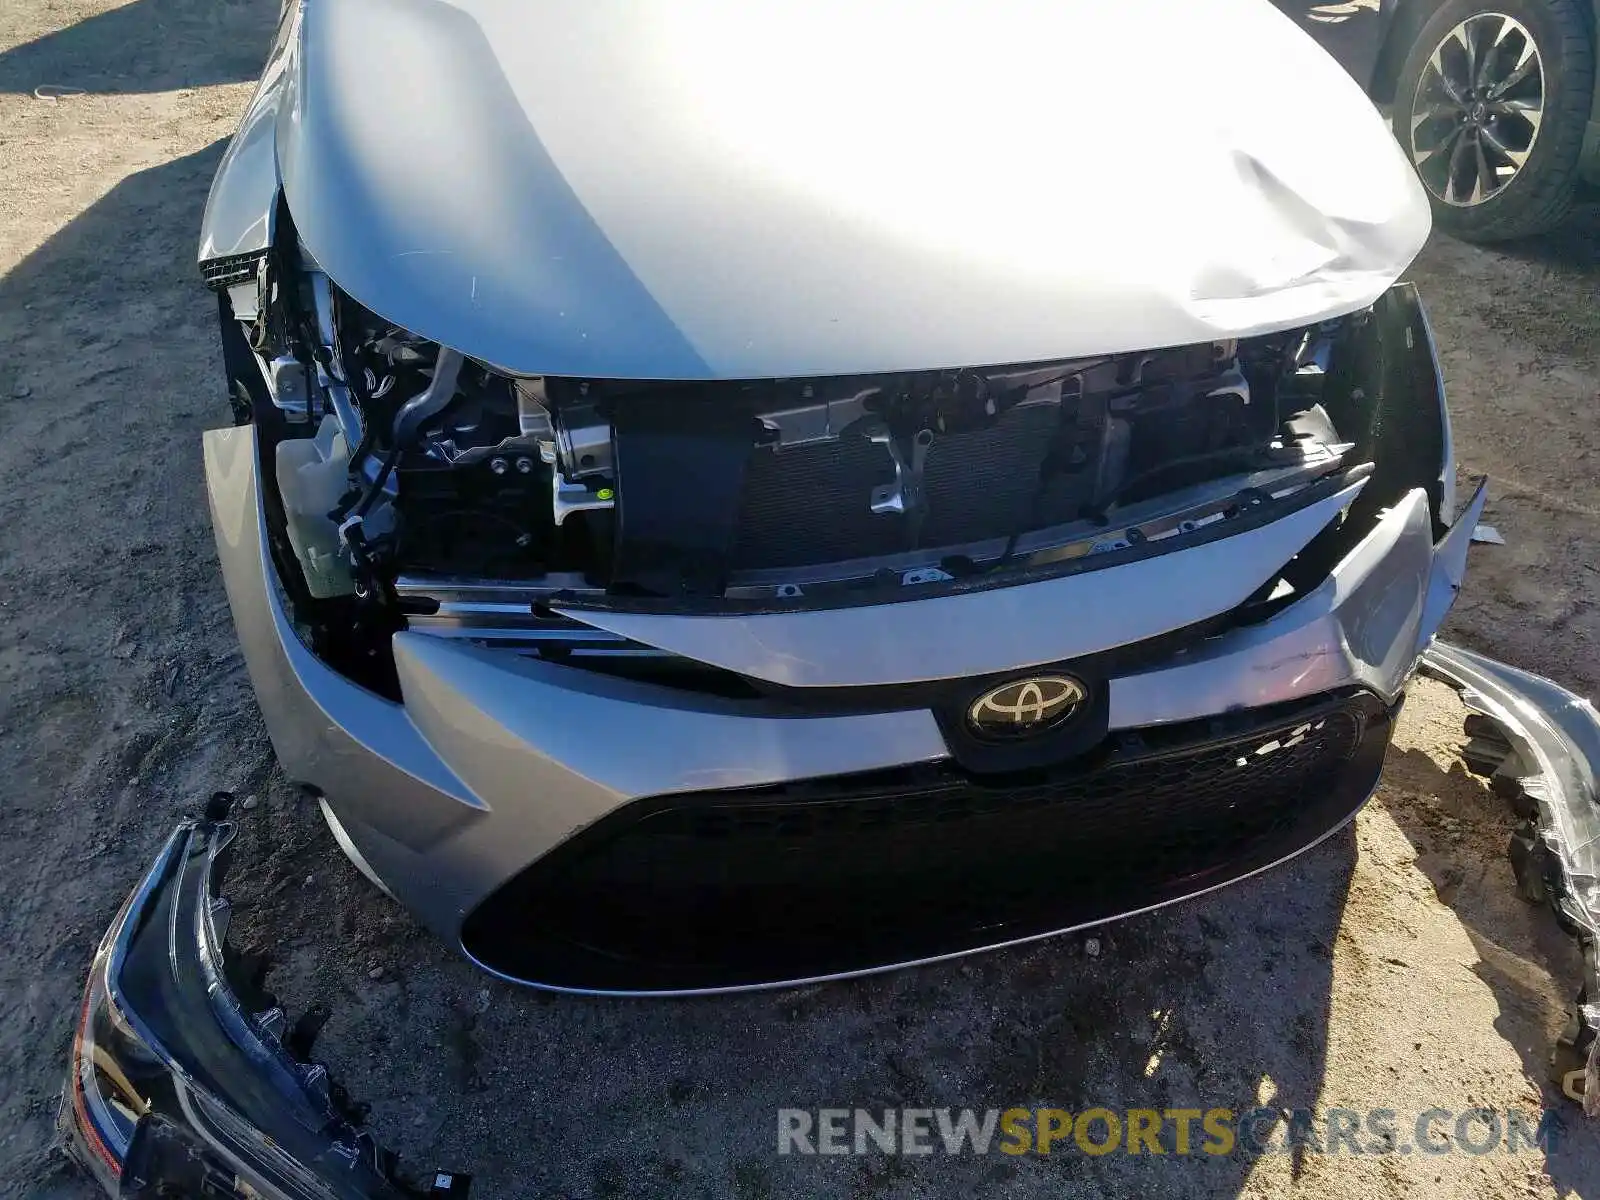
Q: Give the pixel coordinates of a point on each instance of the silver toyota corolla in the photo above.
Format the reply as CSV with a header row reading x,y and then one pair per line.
x,y
733,494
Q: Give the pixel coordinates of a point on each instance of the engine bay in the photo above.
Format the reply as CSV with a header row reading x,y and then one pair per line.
x,y
402,466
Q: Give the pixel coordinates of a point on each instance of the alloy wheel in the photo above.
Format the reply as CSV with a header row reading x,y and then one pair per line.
x,y
1477,109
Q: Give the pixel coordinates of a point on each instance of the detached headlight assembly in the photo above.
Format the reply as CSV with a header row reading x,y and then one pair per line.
x,y
186,1078
113,1075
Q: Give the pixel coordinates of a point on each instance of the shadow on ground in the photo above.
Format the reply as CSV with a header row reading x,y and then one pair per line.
x,y
147,46
1556,277
122,693
1461,831
1564,280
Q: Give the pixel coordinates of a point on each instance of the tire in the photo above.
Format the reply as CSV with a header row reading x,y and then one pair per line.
x,y
1540,191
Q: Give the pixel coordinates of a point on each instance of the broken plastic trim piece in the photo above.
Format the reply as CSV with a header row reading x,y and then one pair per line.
x,y
186,1076
1539,744
1127,598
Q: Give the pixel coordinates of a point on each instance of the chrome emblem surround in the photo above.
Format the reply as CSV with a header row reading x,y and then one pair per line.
x,y
1026,706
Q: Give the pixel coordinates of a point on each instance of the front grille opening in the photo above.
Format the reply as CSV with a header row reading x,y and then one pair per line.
x,y
723,889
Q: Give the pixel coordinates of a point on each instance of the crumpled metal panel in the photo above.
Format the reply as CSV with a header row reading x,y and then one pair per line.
x,y
688,189
241,209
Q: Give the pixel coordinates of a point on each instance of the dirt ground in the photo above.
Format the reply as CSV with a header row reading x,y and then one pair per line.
x,y
1390,968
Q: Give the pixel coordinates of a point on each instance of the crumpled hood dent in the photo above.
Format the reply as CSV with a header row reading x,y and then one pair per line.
x,y
692,189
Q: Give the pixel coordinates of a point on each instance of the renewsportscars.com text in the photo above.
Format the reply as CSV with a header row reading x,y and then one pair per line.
x,y
1178,1131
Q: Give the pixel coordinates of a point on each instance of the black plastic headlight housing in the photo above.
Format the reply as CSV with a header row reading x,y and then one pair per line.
x,y
187,1078
113,1073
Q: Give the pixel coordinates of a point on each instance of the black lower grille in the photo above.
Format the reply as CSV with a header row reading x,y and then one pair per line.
x,y
836,875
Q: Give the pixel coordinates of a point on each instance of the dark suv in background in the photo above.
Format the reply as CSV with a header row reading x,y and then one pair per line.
x,y
1494,101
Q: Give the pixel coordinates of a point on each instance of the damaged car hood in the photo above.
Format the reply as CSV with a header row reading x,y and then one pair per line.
x,y
698,190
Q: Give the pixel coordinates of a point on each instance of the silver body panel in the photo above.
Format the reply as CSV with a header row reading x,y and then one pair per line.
x,y
1365,624
611,188
241,209
983,632
528,735
493,760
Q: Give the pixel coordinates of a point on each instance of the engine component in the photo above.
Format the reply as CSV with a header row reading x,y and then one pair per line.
x,y
313,474
680,488
329,373
286,377
533,417
904,495
431,400
813,419
568,496
581,459
583,442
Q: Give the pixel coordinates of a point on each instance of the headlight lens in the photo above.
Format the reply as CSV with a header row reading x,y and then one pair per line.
x,y
111,1081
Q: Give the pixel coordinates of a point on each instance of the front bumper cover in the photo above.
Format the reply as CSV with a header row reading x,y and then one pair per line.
x,y
494,760
187,1078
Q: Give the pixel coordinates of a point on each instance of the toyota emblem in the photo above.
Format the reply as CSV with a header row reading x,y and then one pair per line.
x,y
1026,706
